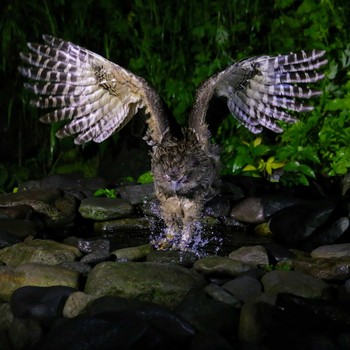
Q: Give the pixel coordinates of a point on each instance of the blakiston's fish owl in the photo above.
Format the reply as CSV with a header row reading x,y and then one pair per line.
x,y
99,97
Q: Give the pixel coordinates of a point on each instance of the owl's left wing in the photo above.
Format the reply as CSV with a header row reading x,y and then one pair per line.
x,y
99,97
260,90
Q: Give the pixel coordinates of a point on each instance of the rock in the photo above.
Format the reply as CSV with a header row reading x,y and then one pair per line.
x,y
297,223
186,259
324,268
117,323
244,288
7,239
217,265
21,211
38,251
159,283
101,209
296,283
42,304
6,316
221,295
255,210
253,255
277,253
127,224
18,228
88,245
12,278
55,207
25,333
332,251
81,268
76,303
208,314
137,194
133,253
255,318
209,340
218,207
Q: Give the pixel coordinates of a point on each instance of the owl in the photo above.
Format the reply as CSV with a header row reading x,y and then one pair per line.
x,y
99,97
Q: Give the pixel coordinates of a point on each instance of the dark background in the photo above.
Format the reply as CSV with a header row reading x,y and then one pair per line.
x,y
174,45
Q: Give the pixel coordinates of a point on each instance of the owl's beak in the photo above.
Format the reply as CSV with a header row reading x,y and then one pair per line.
x,y
175,185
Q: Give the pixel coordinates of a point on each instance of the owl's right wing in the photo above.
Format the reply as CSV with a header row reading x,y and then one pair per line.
x,y
96,95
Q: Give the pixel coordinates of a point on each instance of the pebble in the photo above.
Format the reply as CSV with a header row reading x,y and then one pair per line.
x,y
252,255
332,251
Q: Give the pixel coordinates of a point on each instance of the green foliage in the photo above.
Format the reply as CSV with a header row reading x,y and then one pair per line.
x,y
145,178
106,192
281,266
176,45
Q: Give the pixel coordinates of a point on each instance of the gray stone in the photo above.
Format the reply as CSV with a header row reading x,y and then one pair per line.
x,y
100,209
220,294
244,288
182,258
255,318
38,251
296,283
218,265
324,268
19,228
137,194
133,253
6,316
160,283
12,278
332,251
126,224
255,210
76,303
253,255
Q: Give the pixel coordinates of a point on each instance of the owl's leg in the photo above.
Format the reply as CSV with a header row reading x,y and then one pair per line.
x,y
172,216
191,223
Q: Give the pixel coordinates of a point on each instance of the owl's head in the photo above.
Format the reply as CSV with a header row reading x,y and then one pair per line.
x,y
182,168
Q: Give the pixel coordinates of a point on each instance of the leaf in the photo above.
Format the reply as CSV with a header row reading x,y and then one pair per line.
x,y
145,178
249,168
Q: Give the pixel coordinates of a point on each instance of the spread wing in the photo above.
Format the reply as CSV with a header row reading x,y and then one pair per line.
x,y
260,90
97,96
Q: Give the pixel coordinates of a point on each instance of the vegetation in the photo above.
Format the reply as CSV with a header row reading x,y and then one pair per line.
x,y
176,45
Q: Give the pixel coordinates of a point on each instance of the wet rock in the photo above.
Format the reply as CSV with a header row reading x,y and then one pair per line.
x,y
7,239
253,255
327,269
159,283
5,343
38,251
332,251
42,304
244,288
222,266
176,257
297,223
19,228
296,283
137,194
55,207
76,303
133,253
88,245
12,278
220,294
277,253
101,209
255,210
218,207
127,224
206,313
255,318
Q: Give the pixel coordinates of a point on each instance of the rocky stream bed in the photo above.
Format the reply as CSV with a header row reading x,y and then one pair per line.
x,y
77,272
